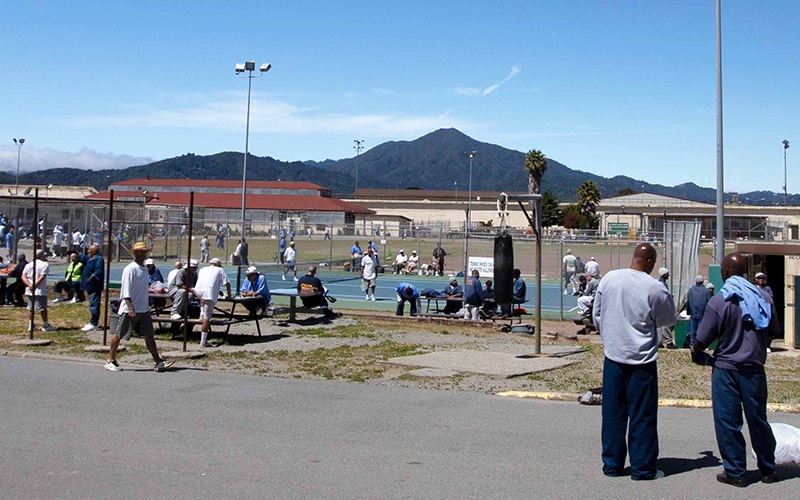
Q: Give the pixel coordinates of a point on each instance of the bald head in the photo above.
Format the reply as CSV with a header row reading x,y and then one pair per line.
x,y
93,250
732,264
644,258
312,270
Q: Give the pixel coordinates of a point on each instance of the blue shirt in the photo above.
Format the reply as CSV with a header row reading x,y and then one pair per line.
x,y
520,290
10,240
740,346
355,249
473,292
697,298
259,285
93,279
402,290
154,275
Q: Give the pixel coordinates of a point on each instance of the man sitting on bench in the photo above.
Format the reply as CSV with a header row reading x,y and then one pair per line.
x,y
313,293
520,290
256,286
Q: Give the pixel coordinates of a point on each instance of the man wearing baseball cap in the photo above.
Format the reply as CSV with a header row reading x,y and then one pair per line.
x,y
153,273
761,282
665,332
255,285
181,287
209,282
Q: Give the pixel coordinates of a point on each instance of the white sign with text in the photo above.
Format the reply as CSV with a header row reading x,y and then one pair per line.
x,y
484,265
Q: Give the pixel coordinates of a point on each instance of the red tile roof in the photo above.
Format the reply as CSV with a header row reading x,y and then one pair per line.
x,y
254,201
219,183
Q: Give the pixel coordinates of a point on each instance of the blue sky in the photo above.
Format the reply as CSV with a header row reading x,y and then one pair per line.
x,y
611,87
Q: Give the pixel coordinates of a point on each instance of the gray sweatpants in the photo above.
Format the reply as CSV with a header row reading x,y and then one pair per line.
x,y
179,298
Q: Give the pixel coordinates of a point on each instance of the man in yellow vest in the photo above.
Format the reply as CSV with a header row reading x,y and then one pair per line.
x,y
71,282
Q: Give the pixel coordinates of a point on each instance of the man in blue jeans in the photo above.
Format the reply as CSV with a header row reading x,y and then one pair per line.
x,y
406,292
696,301
93,281
741,318
629,307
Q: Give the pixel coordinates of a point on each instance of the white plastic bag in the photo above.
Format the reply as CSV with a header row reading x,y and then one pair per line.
x,y
787,444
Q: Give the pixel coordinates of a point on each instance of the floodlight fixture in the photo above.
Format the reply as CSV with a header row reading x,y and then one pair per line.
x,y
27,190
49,186
249,66
239,68
19,144
265,67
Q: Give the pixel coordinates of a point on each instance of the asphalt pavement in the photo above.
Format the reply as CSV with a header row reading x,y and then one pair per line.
x,y
73,430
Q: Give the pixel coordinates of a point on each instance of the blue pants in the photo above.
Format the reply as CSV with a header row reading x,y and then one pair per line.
x,y
94,307
694,323
730,391
401,306
630,392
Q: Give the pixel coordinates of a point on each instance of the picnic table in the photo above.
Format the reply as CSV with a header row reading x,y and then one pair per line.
x,y
292,293
436,299
222,316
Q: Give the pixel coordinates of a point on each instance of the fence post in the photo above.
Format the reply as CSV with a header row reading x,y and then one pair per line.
x,y
560,278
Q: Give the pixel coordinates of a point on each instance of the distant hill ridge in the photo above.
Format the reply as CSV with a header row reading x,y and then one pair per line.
x,y
433,161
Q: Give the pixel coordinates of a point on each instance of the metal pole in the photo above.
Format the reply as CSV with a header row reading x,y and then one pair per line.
x,y
358,147
19,152
246,149
785,195
466,225
720,178
538,320
188,276
33,260
108,261
560,278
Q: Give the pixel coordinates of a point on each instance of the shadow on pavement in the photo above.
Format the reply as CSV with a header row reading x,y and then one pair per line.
x,y
673,465
240,340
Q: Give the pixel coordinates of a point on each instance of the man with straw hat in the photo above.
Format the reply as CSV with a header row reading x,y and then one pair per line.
x,y
134,311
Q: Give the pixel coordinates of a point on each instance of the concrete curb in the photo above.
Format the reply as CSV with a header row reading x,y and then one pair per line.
x,y
675,403
50,357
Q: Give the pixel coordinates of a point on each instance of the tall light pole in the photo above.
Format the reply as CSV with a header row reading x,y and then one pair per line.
x,y
470,155
19,144
785,196
720,185
248,66
359,145
455,183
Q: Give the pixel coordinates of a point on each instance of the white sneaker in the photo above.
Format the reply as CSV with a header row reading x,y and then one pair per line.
x,y
57,300
163,365
283,277
372,298
296,279
88,327
47,327
565,291
112,366
74,300
366,297
175,316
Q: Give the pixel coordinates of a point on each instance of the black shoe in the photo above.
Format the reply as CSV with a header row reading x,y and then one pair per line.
x,y
739,482
770,478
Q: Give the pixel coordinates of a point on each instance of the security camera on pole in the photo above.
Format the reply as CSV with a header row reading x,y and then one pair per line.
x,y
19,144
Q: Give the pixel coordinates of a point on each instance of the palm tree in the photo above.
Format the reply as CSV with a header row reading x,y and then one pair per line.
x,y
588,196
536,166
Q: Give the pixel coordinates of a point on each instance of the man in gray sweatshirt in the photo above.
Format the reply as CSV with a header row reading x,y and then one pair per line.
x,y
629,307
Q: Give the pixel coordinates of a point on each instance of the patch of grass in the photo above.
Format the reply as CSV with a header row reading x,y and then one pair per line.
x,y
345,331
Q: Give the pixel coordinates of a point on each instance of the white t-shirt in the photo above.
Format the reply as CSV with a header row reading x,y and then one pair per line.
x,y
171,277
569,262
209,282
134,287
76,238
401,259
290,255
413,260
42,268
592,268
368,267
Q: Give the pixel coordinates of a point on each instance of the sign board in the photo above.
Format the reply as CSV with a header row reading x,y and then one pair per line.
x,y
383,242
484,265
617,228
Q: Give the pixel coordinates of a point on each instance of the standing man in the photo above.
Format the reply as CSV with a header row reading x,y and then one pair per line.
x,y
473,296
205,251
593,268
568,266
134,311
665,333
9,243
93,282
290,261
327,234
629,307
243,251
282,249
407,292
696,301
369,274
741,318
761,282
36,289
209,282
440,254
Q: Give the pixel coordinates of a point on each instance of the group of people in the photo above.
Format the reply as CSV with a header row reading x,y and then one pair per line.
x,y
630,308
573,270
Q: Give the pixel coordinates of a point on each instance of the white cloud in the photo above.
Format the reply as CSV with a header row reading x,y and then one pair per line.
x,y
39,159
272,116
491,88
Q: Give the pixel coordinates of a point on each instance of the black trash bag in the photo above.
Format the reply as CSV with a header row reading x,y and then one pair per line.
x,y
503,268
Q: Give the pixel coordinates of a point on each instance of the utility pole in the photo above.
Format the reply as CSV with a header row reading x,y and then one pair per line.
x,y
359,145
785,195
720,177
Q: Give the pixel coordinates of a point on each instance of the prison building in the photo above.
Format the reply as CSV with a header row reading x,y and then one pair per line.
x,y
268,203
